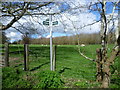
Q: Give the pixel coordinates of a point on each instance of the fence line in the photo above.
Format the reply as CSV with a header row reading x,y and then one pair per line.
x,y
5,58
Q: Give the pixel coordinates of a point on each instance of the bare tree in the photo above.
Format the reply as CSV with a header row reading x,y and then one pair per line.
x,y
103,61
18,9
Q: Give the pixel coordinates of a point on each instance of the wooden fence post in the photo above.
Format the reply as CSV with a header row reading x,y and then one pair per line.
x,y
6,54
54,57
2,57
26,57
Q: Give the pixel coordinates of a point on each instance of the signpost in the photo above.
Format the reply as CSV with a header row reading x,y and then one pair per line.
x,y
50,23
47,22
55,23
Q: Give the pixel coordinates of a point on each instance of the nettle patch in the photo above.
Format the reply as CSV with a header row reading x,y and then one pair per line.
x,y
49,79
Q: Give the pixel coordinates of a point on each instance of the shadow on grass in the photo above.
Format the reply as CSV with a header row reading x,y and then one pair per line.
x,y
37,53
63,70
116,81
18,65
16,52
35,68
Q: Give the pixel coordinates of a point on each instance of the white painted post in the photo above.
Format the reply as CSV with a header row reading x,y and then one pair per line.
x,y
50,23
54,57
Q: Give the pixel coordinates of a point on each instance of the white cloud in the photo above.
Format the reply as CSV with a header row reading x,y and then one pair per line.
x,y
13,36
74,23
74,3
48,36
67,23
39,36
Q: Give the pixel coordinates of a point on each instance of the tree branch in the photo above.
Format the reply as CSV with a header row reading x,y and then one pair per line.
x,y
18,30
20,11
85,56
16,18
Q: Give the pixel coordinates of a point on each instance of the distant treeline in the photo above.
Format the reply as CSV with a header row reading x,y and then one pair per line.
x,y
72,40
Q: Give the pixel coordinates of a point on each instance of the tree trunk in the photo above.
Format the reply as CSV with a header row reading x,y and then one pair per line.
x,y
104,64
106,67
109,61
99,74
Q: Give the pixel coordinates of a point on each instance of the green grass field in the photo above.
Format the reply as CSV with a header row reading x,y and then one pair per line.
x,y
74,70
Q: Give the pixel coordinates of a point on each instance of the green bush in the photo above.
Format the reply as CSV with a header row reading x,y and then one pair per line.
x,y
11,78
21,83
49,79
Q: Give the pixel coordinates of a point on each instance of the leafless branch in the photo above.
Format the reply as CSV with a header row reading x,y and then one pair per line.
x,y
16,18
79,42
18,30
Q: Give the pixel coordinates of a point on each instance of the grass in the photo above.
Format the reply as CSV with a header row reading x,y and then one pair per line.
x,y
75,71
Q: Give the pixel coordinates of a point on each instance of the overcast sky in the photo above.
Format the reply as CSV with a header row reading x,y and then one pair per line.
x,y
70,22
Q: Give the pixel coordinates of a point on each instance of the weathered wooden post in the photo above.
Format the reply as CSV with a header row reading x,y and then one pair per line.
x,y
26,57
6,54
54,57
